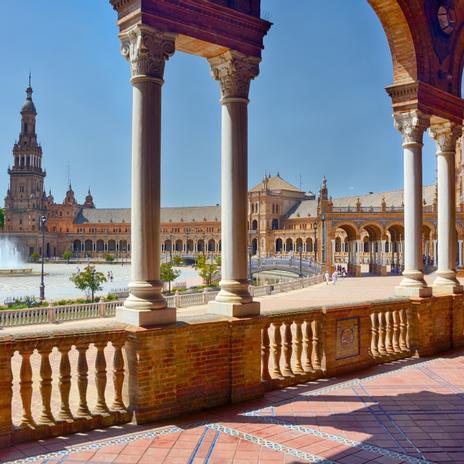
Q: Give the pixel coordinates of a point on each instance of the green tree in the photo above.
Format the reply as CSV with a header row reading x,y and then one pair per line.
x,y
207,268
88,280
35,256
67,255
168,274
177,260
109,258
2,218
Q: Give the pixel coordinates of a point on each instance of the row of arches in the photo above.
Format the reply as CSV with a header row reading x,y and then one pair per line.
x,y
191,246
298,245
100,245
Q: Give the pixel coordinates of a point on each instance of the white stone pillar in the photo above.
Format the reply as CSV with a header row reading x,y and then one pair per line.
x,y
412,126
460,253
446,135
147,50
234,71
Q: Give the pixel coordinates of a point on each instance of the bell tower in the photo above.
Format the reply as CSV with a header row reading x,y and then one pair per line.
x,y
25,199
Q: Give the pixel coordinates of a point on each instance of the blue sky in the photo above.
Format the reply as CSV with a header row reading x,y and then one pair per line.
x,y
318,107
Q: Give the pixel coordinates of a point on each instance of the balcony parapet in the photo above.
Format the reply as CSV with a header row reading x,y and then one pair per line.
x,y
74,376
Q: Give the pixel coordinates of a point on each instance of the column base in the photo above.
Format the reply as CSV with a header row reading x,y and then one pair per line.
x,y
146,317
446,283
222,308
413,292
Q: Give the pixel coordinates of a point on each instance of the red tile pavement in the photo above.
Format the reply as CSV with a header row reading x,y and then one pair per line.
x,y
410,411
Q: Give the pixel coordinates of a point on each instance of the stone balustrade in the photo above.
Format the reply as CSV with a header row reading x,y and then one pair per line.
x,y
390,333
59,379
292,347
66,313
89,364
52,314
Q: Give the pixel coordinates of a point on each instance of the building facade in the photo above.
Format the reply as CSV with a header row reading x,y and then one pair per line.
x,y
361,233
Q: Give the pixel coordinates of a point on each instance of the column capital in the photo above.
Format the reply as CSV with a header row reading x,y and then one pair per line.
x,y
234,71
412,126
147,49
446,135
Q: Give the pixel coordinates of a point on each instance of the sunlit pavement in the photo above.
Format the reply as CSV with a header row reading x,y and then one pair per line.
x,y
410,411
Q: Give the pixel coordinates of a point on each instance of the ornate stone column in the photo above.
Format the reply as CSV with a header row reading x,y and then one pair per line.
x,y
234,71
146,50
412,126
446,136
459,253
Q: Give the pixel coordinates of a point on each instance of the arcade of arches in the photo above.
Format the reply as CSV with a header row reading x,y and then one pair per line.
x,y
388,234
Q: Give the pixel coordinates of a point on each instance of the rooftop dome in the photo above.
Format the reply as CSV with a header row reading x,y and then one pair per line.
x,y
28,106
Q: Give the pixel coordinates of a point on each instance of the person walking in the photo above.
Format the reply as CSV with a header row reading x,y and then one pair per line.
x,y
334,277
327,277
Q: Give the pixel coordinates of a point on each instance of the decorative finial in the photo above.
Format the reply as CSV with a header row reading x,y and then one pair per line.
x,y
30,76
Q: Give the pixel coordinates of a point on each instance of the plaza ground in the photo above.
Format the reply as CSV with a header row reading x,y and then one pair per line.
x,y
409,411
406,411
58,285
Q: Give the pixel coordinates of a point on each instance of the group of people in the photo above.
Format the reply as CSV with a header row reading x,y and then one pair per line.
x,y
339,271
109,276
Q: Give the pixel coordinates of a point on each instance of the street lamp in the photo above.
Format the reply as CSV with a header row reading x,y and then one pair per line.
x,y
250,274
43,220
170,247
323,217
300,250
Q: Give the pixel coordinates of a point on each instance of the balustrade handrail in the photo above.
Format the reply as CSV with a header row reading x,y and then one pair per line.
x,y
65,313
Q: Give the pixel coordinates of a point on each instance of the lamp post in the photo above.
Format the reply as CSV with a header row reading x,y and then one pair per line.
x,y
250,274
300,250
170,247
323,238
43,220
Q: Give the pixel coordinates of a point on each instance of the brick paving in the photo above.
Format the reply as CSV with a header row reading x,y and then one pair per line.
x,y
410,411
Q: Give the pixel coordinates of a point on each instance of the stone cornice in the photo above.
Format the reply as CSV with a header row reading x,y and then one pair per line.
x,y
427,99
206,22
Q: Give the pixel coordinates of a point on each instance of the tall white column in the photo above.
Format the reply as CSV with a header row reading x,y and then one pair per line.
x,y
146,50
412,126
332,242
234,71
446,135
460,253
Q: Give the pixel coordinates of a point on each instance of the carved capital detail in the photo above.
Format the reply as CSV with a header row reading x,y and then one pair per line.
x,y
147,50
234,71
412,126
446,135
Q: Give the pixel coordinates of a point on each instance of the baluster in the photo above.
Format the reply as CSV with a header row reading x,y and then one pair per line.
x,y
316,358
25,388
396,332
287,345
265,352
276,350
382,350
403,323
307,347
388,332
298,348
82,379
64,383
408,328
100,378
118,375
374,335
46,416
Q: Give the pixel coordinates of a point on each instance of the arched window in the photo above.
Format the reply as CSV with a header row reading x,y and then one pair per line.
x,y
254,225
275,224
278,245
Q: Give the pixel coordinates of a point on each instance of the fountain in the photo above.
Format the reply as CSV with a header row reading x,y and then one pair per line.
x,y
11,262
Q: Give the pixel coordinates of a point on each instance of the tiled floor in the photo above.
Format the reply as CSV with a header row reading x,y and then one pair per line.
x,y
411,411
